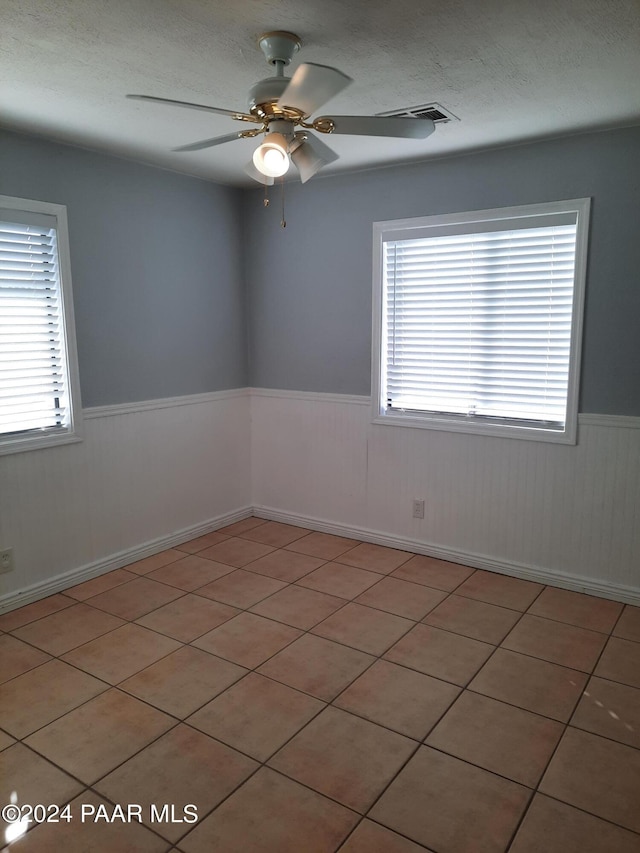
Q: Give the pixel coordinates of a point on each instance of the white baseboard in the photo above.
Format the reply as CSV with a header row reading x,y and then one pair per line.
x,y
617,592
117,561
577,583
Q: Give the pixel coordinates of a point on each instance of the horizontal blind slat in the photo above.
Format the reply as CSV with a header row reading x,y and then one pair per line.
x,y
33,378
480,323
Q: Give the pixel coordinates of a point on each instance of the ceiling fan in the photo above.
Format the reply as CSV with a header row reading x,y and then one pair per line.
x,y
281,107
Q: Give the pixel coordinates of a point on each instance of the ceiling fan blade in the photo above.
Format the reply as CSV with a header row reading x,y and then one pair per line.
x,y
310,155
189,106
209,143
312,86
251,170
402,128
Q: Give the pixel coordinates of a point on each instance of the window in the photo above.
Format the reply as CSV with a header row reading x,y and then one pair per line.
x,y
478,319
39,389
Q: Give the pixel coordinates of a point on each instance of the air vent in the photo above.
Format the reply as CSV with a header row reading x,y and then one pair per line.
x,y
436,112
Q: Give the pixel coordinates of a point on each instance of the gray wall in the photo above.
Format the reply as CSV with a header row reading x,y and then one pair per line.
x,y
309,285
160,264
156,268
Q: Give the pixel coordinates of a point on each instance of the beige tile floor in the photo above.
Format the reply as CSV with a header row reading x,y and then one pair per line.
x,y
308,693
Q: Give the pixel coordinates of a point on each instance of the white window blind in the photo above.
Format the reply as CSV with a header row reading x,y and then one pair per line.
x,y
34,374
477,320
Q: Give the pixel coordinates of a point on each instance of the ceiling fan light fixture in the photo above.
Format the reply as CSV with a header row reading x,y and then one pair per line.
x,y
282,108
271,157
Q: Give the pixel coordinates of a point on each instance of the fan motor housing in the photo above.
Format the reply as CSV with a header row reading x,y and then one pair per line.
x,y
264,96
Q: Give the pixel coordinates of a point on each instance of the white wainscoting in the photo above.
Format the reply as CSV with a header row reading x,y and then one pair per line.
x,y
561,514
151,475
147,476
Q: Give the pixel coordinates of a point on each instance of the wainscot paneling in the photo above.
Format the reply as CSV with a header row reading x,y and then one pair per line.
x,y
151,475
146,476
565,515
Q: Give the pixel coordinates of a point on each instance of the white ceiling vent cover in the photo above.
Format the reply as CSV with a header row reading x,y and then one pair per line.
x,y
436,112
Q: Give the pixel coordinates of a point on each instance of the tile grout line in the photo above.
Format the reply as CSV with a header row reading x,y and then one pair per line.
x,y
419,743
376,658
583,811
566,727
307,631
178,721
326,705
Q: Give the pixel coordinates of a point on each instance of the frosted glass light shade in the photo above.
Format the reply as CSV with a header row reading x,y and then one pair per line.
x,y
271,157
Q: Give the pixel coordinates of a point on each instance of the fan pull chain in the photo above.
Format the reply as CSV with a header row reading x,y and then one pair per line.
x,y
266,196
283,221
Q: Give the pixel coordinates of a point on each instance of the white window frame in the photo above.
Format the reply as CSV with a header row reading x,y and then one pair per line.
x,y
50,437
406,229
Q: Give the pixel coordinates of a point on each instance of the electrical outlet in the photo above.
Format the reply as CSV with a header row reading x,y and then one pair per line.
x,y
418,509
6,560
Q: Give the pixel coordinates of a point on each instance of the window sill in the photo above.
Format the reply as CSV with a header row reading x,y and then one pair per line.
x,y
21,445
444,424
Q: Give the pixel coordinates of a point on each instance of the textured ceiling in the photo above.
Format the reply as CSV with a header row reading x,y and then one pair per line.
x,y
510,70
